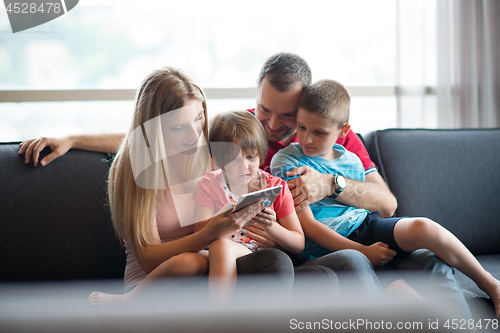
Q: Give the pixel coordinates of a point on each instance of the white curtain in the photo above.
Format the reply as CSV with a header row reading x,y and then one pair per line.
x,y
468,87
416,63
449,63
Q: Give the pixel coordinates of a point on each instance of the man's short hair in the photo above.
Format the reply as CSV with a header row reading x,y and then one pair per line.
x,y
329,99
284,70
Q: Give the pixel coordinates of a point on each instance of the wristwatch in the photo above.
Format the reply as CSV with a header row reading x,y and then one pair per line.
x,y
339,183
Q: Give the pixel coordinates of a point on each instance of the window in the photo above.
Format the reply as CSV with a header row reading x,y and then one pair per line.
x,y
105,44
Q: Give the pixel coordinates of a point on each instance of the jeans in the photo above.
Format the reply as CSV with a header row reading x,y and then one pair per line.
x,y
430,277
422,269
267,265
351,267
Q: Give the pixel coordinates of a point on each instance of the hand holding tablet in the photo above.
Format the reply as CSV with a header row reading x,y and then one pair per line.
x,y
268,194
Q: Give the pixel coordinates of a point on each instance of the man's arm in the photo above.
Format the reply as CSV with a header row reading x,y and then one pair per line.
x,y
105,143
311,186
373,194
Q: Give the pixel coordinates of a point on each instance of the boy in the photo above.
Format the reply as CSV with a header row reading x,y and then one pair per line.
x,y
323,116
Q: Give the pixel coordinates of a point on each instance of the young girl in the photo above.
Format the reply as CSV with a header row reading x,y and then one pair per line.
x,y
152,187
238,145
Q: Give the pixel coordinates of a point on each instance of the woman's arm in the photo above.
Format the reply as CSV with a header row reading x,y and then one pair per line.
x,y
152,256
216,227
202,214
378,253
287,233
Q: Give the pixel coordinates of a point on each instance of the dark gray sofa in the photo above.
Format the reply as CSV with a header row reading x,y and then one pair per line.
x,y
452,177
55,223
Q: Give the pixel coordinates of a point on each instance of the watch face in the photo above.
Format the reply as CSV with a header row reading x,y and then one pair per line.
x,y
341,183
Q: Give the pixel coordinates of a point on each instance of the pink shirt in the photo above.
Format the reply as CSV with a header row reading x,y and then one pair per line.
x,y
169,229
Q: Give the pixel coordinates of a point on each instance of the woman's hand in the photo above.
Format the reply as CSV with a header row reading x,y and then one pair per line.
x,y
226,222
59,147
378,253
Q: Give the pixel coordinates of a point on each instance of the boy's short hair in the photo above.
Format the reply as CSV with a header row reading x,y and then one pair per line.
x,y
329,99
284,70
232,125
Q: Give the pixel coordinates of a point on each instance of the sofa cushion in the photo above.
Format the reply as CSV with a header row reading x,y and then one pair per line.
x,y
55,221
450,176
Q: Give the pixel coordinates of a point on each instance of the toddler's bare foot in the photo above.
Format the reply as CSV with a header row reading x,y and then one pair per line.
x,y
100,300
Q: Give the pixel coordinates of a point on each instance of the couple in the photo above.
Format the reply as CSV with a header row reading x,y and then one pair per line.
x,y
168,249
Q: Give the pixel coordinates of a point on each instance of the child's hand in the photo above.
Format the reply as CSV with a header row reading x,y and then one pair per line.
x,y
266,218
259,236
379,253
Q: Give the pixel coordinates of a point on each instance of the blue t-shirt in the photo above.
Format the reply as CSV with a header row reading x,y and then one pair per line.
x,y
339,217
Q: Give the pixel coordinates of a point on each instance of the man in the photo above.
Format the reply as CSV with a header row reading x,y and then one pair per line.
x,y
281,82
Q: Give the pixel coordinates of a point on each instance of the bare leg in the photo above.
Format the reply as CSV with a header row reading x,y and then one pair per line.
x,y
416,233
222,274
184,264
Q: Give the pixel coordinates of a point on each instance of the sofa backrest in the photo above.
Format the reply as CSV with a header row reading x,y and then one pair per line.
x,y
55,222
450,176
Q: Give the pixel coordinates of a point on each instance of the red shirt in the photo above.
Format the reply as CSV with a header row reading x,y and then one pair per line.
x,y
351,142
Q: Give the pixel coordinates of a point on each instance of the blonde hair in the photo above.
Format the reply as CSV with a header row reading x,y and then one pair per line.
x,y
133,207
329,99
232,125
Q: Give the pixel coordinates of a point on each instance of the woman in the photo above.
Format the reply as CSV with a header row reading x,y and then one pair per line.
x,y
152,185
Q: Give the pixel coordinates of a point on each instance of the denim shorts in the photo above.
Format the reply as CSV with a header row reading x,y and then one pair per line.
x,y
377,229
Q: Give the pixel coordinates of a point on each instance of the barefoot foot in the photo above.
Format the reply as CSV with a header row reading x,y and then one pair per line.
x,y
495,297
100,300
493,290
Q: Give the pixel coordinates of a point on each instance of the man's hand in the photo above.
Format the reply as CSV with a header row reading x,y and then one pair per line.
x,y
309,187
379,253
312,186
59,147
105,143
266,218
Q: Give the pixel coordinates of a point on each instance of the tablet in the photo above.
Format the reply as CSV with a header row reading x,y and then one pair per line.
x,y
267,194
